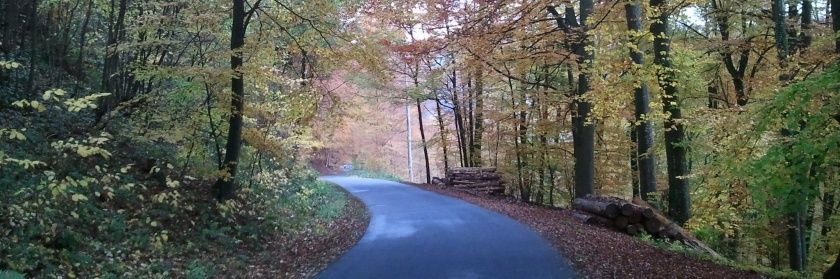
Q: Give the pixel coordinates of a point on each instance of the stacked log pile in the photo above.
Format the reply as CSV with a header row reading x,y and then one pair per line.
x,y
476,180
632,218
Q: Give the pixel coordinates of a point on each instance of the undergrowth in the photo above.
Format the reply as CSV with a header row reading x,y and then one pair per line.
x,y
82,202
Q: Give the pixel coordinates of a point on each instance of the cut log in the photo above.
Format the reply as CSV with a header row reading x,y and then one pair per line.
x,y
479,185
605,209
635,219
470,170
633,230
490,189
590,219
652,226
620,222
475,180
673,231
629,209
470,180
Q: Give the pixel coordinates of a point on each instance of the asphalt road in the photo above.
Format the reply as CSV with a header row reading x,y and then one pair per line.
x,y
414,233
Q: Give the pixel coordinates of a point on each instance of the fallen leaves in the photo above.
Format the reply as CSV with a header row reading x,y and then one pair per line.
x,y
597,252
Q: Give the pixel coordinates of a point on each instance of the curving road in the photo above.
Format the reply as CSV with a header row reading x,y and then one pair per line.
x,y
418,234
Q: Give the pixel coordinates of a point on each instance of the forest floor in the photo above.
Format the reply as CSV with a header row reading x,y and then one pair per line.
x,y
309,253
598,252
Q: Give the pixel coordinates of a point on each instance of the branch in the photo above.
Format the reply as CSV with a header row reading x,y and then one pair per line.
x,y
693,29
557,18
506,74
251,12
307,20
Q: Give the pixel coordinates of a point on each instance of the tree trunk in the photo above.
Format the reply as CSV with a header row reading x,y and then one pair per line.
x,y
679,199
644,129
584,133
33,28
443,136
459,133
828,211
523,193
736,72
478,122
795,244
807,20
634,164
80,63
470,120
459,119
10,22
224,187
833,272
835,23
423,137
110,67
780,31
525,184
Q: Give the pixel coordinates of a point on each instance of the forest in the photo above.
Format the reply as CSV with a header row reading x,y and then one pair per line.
x,y
173,138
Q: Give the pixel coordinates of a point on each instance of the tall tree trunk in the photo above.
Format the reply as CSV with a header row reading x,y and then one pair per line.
x,y
796,250
470,119
835,23
516,145
807,20
523,143
80,63
679,199
796,218
634,164
828,211
459,123
423,136
584,133
737,72
644,129
224,186
443,135
110,67
33,29
478,123
459,135
498,130
459,120
541,172
792,33
10,23
780,31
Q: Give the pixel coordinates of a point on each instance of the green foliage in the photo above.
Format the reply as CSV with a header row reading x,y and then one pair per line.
x,y
116,184
198,270
374,174
8,274
93,209
801,131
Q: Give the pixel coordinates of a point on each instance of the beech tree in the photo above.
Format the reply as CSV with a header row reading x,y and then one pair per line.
x,y
679,200
224,186
646,162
